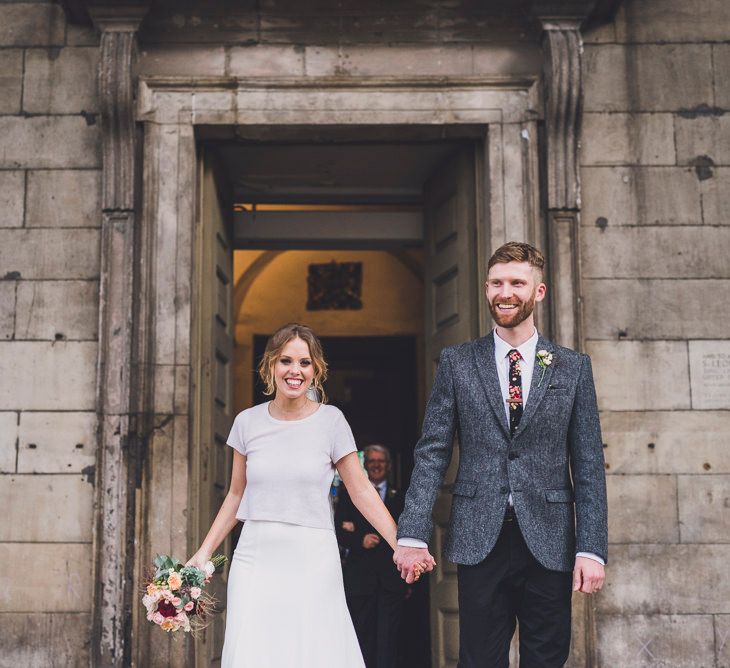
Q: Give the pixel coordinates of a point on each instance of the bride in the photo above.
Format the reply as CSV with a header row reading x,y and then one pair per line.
x,y
286,602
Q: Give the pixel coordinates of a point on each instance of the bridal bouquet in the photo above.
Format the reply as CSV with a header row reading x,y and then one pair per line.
x,y
175,596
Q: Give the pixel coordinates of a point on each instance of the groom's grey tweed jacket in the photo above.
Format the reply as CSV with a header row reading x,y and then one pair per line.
x,y
553,466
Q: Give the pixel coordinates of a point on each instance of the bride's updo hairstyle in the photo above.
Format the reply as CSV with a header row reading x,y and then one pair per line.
x,y
276,344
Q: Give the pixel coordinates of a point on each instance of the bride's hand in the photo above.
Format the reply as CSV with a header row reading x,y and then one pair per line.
x,y
198,560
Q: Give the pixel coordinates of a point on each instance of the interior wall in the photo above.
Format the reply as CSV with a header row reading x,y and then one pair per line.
x,y
392,298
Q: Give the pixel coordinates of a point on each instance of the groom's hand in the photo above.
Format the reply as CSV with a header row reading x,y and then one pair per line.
x,y
405,558
588,575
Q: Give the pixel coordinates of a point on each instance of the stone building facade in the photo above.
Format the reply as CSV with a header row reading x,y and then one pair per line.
x,y
600,131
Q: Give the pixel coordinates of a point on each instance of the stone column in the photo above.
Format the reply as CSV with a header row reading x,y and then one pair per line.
x,y
117,449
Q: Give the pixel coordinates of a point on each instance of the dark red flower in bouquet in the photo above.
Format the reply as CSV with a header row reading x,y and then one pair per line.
x,y
166,609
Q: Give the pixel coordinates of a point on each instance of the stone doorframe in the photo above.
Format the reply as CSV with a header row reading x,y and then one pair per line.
x,y
147,312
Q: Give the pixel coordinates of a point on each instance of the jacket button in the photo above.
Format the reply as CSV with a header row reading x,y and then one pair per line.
x,y
513,455
504,490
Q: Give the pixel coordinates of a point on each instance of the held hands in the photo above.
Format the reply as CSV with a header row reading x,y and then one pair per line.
x,y
412,562
588,575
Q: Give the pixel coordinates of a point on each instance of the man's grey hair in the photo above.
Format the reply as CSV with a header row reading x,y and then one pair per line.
x,y
377,448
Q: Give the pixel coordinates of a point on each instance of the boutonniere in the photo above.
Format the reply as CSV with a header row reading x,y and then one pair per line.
x,y
392,492
544,359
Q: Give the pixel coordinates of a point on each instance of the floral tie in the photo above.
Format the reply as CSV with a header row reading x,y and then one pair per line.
x,y
515,390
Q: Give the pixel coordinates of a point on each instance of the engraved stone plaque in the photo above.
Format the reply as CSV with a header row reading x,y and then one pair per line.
x,y
709,364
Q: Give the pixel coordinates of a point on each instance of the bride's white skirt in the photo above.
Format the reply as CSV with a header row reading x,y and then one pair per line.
x,y
286,601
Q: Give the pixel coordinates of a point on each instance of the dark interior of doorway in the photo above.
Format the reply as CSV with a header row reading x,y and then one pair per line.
x,y
374,381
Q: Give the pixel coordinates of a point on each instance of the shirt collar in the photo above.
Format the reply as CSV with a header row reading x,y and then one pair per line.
x,y
502,348
381,485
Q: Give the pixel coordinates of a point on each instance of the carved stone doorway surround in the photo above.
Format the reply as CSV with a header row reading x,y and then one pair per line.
x,y
148,303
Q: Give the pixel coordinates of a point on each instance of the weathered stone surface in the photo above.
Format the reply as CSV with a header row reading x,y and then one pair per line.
x,y
722,640
673,21
667,442
64,198
655,308
716,197
55,310
33,141
77,35
704,508
642,509
656,252
61,508
31,24
632,375
50,254
11,79
709,368
666,579
7,309
627,139
8,441
188,60
368,61
57,443
640,196
45,639
721,59
48,376
703,136
269,60
61,82
12,195
66,583
634,77
638,641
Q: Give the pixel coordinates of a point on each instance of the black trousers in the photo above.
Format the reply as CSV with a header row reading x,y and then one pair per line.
x,y
510,586
376,617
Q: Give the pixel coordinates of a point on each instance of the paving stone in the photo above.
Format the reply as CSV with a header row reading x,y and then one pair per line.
x,y
61,508
642,509
49,142
621,77
66,584
31,24
57,309
645,309
641,196
8,441
61,81
45,639
11,79
666,579
639,641
704,503
633,375
655,252
667,441
7,309
57,443
12,195
48,376
49,254
64,198
703,137
709,369
627,139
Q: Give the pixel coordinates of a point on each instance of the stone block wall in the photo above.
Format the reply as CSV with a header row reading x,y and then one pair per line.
x,y
655,246
49,269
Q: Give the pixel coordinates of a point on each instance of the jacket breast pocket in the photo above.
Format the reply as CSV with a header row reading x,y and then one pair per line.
x,y
559,495
464,488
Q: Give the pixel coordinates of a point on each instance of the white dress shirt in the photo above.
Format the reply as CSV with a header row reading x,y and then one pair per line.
x,y
528,350
382,488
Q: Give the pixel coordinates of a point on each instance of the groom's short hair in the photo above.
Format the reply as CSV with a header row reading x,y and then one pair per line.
x,y
516,251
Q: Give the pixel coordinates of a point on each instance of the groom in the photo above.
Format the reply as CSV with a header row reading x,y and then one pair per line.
x,y
528,517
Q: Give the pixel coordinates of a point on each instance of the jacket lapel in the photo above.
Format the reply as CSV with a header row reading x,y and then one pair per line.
x,y
537,388
483,350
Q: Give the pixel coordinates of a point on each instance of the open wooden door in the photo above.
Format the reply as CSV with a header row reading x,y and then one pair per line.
x,y
212,368
452,294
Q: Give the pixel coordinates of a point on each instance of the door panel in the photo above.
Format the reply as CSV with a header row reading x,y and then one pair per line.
x,y
213,394
452,295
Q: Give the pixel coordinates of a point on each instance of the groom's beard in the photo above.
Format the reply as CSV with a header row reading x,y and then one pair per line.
x,y
514,317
